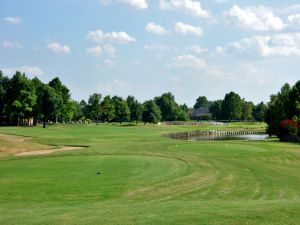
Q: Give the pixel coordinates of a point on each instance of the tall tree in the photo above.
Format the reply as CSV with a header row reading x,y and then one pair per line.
x,y
122,112
247,110
232,107
107,109
135,108
71,110
293,104
93,107
64,96
278,110
216,109
201,101
50,103
39,88
168,107
21,97
259,112
184,107
181,114
80,111
151,113
4,85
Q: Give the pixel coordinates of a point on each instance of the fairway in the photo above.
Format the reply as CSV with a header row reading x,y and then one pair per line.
x,y
133,175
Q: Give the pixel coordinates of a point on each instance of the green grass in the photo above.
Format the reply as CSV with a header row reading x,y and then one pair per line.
x,y
148,179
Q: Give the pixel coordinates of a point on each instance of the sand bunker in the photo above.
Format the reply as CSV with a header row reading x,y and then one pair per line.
x,y
44,152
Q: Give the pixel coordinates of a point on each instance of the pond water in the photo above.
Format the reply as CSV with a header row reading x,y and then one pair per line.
x,y
246,137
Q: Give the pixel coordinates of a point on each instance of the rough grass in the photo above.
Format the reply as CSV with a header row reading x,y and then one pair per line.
x,y
147,179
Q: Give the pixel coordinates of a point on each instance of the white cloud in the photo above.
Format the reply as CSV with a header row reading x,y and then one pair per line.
x,y
192,7
159,47
95,51
99,50
294,20
256,18
139,4
13,20
110,88
155,29
183,28
58,48
109,49
120,37
28,70
10,44
287,44
187,61
196,49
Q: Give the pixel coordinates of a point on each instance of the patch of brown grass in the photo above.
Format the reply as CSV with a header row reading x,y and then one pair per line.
x,y
11,144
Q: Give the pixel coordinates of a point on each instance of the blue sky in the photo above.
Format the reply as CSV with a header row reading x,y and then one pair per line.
x,y
145,48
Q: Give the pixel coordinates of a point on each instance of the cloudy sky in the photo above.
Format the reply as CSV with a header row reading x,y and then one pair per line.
x,y
145,48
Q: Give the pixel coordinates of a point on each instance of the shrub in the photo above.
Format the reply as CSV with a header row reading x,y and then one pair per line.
x,y
289,130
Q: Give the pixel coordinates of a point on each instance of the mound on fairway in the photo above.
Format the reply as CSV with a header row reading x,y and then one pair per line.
x,y
132,175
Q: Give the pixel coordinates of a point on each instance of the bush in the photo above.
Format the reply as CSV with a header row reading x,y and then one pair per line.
x,y
289,130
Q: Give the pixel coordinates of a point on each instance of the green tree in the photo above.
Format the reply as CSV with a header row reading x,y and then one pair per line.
x,y
247,110
151,113
21,97
50,103
136,109
39,88
201,101
83,109
167,105
283,112
122,112
278,110
293,104
93,106
232,107
4,85
80,110
107,109
181,114
71,109
259,112
184,107
216,109
170,110
64,96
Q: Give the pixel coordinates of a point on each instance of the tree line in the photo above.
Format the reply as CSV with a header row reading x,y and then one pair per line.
x,y
23,99
232,108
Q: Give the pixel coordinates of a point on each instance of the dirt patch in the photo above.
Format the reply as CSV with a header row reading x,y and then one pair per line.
x,y
13,144
45,152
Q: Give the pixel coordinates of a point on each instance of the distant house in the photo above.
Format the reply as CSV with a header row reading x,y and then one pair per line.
x,y
201,113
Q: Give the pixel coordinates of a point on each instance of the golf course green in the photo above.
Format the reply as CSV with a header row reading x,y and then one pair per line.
x,y
125,175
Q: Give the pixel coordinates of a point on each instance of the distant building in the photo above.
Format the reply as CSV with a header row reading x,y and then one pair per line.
x,y
201,113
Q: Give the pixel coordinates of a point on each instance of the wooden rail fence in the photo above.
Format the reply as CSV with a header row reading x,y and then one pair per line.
x,y
197,133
